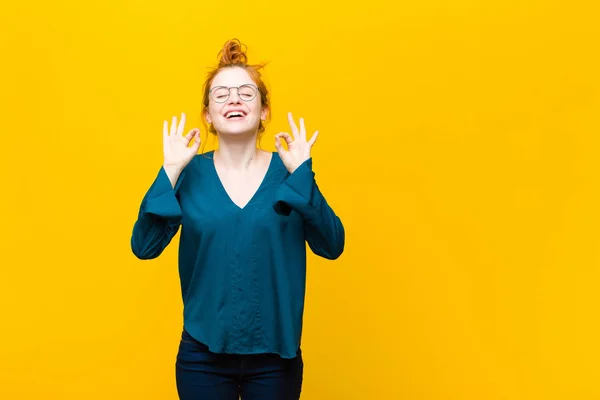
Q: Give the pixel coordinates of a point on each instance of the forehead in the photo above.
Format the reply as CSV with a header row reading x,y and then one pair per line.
x,y
231,77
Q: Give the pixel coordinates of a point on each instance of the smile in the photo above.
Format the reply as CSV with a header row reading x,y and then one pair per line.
x,y
233,115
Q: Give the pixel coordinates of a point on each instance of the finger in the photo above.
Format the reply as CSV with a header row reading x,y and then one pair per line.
x,y
196,144
173,125
191,134
286,137
292,125
181,124
313,139
278,144
302,129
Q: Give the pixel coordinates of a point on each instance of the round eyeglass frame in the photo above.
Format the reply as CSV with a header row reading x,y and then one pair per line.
x,y
254,87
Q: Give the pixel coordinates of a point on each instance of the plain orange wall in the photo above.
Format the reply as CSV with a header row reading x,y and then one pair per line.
x,y
459,143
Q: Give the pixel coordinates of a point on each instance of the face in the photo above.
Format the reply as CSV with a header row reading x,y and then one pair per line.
x,y
239,113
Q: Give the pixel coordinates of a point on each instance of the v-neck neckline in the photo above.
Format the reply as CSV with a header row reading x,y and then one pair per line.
x,y
258,189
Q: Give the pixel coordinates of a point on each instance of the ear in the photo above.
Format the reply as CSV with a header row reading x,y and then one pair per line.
x,y
263,113
207,116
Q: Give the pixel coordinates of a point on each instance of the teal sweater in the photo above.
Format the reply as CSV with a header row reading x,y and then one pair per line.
x,y
242,270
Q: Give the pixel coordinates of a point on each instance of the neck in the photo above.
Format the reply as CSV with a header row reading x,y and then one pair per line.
x,y
236,153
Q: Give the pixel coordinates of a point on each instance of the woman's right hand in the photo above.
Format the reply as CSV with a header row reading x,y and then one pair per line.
x,y
177,151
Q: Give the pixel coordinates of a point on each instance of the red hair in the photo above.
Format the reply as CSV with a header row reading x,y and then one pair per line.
x,y
233,55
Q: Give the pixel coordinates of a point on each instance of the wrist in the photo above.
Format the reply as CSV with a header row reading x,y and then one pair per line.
x,y
173,173
172,169
296,166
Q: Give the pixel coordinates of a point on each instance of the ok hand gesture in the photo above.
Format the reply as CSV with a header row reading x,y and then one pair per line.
x,y
176,149
298,147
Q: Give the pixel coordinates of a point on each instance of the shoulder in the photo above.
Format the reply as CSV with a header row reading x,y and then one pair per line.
x,y
277,166
198,166
276,160
200,161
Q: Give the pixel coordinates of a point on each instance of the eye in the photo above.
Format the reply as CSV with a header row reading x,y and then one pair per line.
x,y
220,93
247,92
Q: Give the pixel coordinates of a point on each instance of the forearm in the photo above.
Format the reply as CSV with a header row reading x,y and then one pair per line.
x,y
150,236
173,174
159,216
324,231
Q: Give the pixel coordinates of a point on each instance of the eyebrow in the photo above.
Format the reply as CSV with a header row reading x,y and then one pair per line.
x,y
251,83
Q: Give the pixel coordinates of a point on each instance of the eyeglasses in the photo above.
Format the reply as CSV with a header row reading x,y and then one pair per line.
x,y
220,94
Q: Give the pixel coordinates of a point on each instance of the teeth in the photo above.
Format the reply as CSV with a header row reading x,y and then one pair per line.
x,y
234,114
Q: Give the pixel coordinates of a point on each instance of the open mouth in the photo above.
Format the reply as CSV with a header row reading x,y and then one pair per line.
x,y
235,115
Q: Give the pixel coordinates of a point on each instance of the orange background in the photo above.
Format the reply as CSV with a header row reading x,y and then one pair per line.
x,y
459,143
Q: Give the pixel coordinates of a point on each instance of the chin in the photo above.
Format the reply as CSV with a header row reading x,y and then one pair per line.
x,y
236,129
238,132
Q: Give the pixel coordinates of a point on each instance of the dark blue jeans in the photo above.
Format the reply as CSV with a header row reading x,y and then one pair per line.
x,y
203,375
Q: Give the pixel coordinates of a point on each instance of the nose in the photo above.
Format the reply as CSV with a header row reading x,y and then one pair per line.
x,y
234,97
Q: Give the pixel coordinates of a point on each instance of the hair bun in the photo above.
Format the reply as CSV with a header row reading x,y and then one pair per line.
x,y
232,53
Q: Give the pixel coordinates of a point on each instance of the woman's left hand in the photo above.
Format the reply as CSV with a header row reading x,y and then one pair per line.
x,y
298,148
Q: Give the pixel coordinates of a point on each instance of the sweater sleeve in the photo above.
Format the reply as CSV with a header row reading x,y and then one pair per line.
x,y
159,218
324,231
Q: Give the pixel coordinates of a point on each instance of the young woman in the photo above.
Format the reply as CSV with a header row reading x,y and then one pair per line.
x,y
245,216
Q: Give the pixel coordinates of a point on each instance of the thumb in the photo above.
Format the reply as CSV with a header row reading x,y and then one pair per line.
x,y
196,144
278,144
